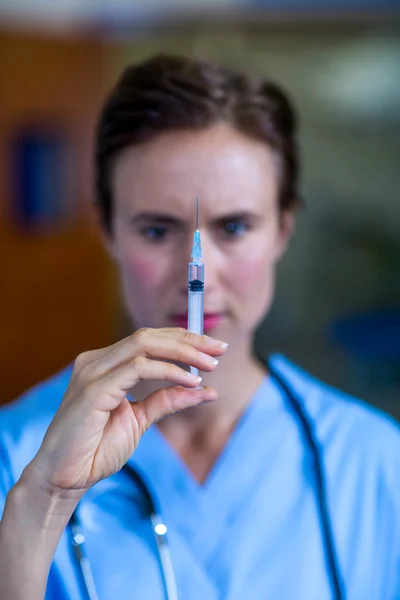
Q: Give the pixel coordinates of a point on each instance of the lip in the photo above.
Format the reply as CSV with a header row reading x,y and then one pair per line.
x,y
211,320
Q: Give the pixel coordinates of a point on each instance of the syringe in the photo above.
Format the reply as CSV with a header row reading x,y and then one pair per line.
x,y
196,286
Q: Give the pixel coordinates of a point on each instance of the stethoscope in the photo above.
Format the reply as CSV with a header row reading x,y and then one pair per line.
x,y
160,530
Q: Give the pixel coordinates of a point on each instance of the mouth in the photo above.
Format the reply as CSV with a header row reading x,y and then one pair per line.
x,y
211,320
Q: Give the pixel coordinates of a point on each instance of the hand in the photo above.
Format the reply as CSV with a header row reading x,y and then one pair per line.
x,y
96,428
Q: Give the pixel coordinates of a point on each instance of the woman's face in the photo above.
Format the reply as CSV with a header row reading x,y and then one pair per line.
x,y
242,231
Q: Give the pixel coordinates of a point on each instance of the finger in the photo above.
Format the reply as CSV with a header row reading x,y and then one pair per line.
x,y
179,351
110,390
144,336
126,347
167,401
201,342
150,341
149,369
90,356
175,345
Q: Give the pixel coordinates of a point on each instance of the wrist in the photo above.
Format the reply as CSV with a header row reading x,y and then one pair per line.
x,y
49,506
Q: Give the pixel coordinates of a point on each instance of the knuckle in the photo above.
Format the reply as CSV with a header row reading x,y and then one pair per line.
x,y
138,363
170,399
142,335
172,371
188,336
80,361
83,375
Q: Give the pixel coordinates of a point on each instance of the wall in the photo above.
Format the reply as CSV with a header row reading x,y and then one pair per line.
x,y
56,297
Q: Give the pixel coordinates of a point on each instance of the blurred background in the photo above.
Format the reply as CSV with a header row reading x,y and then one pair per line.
x,y
337,310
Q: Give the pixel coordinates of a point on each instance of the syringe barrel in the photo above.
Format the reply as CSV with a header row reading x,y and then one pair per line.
x,y
196,297
196,312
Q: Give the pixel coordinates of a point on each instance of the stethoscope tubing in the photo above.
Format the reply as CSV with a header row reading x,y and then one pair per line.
x,y
160,534
306,426
160,531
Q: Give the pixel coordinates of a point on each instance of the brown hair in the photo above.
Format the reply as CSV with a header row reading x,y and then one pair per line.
x,y
172,92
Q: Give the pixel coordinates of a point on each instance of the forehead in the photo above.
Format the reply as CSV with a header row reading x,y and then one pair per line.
x,y
222,166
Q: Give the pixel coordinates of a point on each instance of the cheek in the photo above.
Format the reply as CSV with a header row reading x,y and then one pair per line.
x,y
251,277
253,273
141,273
252,284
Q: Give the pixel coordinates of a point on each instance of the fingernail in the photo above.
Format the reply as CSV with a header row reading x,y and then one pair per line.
x,y
214,342
209,359
194,378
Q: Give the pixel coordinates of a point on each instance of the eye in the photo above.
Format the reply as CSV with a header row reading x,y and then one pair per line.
x,y
234,229
156,233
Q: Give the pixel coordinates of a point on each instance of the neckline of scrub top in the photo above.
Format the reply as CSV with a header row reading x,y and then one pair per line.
x,y
196,510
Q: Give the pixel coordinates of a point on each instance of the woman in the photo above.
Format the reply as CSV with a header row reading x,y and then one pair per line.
x,y
272,485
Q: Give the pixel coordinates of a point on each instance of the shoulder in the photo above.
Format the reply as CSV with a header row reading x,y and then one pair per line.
x,y
360,451
348,428
23,423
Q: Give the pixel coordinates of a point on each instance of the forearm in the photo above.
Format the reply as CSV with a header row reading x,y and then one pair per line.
x,y
33,521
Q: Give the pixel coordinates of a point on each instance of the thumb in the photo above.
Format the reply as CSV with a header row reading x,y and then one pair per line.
x,y
167,401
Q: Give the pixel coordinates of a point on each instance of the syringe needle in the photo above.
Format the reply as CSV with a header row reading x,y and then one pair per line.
x,y
197,212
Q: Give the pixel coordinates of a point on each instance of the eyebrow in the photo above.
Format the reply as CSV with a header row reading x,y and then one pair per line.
x,y
242,215
167,219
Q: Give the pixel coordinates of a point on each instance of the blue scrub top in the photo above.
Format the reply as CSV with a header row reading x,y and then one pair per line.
x,y
252,529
